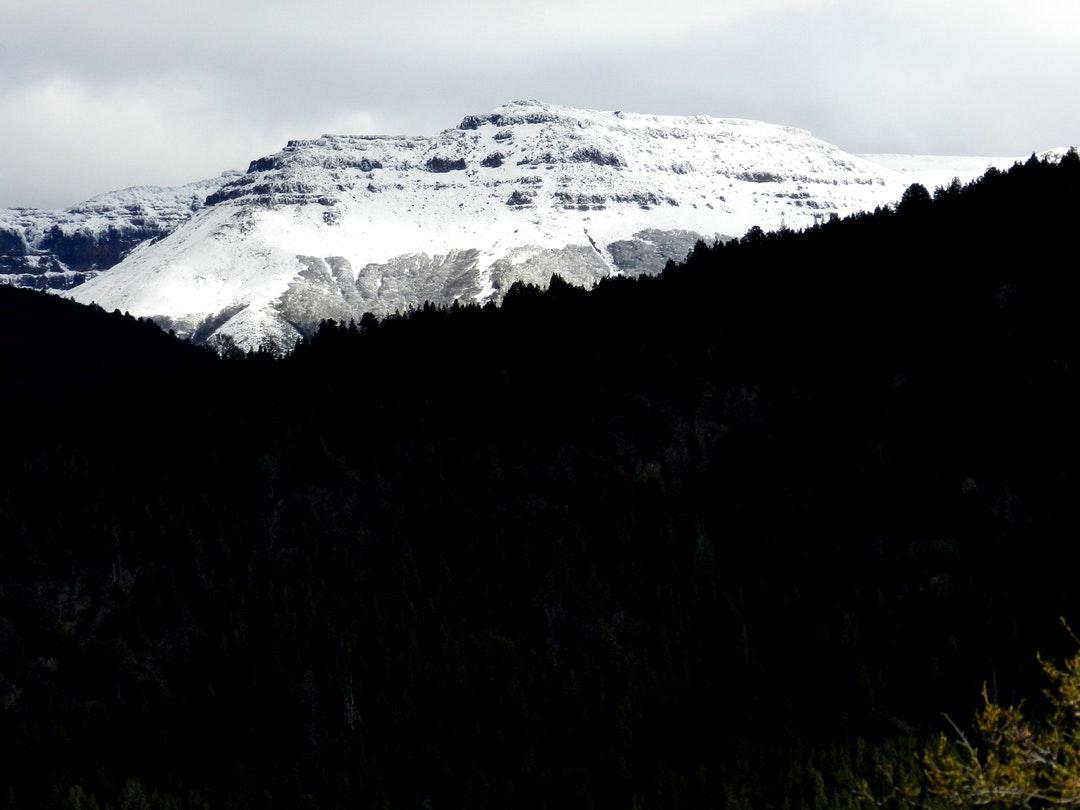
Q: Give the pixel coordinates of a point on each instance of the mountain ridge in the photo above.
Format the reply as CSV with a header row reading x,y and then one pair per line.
x,y
340,225
56,249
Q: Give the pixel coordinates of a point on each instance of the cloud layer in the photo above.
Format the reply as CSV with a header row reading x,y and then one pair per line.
x,y
100,95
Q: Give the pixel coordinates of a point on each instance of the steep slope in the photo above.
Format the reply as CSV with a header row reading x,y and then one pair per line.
x,y
342,225
61,249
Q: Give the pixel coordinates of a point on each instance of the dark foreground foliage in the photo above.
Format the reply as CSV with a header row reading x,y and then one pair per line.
x,y
732,536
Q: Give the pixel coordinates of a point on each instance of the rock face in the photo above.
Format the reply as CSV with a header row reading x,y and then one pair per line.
x,y
649,250
57,250
342,225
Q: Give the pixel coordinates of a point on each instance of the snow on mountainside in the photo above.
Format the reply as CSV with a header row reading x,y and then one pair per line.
x,y
933,167
61,249
936,170
342,225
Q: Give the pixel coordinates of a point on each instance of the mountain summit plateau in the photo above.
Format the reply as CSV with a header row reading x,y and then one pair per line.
x,y
342,225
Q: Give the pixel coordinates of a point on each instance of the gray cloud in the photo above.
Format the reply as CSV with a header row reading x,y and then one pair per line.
x,y
99,95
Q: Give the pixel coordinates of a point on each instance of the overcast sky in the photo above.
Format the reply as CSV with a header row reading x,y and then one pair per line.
x,y
102,94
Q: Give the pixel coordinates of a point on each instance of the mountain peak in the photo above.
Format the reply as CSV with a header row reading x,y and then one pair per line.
x,y
340,225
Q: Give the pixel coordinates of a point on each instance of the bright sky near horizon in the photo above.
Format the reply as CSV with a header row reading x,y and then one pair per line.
x,y
111,93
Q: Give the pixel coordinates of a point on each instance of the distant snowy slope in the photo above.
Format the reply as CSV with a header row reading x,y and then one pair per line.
x,y
939,170
61,249
341,225
965,167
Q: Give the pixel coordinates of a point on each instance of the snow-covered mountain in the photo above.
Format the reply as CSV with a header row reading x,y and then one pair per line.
x,y
57,250
341,225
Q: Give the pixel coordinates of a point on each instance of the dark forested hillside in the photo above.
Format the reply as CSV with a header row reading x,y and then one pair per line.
x,y
731,536
59,358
